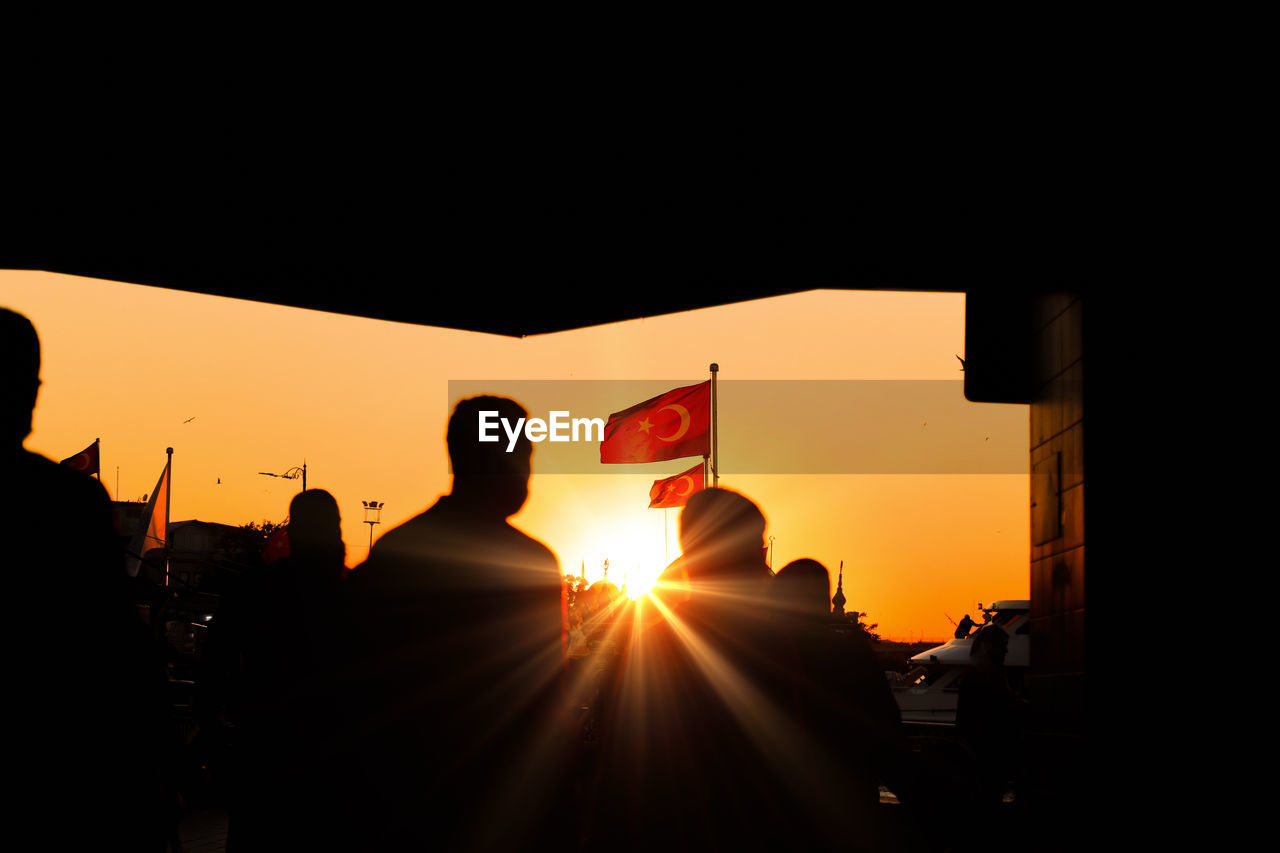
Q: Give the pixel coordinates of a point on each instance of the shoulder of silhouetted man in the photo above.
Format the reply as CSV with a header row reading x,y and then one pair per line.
x,y
444,549
67,521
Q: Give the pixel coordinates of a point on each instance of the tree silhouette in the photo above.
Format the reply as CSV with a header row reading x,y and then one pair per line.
x,y
573,586
852,620
241,548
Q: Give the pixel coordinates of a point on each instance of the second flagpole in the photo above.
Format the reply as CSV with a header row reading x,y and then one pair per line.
x,y
715,441
168,495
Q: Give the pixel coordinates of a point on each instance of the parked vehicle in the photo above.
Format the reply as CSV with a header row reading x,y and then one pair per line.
x,y
929,692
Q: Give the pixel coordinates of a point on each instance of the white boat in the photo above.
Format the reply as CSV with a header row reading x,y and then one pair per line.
x,y
929,692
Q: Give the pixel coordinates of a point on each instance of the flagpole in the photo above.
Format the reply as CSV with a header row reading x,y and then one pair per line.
x,y
715,440
168,497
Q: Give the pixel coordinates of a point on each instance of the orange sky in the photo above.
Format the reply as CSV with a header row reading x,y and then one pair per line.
x,y
364,403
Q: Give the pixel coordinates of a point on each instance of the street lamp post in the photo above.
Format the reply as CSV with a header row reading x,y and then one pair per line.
x,y
372,516
770,552
292,474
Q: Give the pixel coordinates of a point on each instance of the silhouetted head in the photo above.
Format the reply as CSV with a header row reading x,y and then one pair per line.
x,y
315,525
19,376
722,532
485,475
803,587
990,645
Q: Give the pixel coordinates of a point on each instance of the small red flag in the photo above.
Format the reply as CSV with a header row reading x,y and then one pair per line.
x,y
674,491
669,426
277,545
86,460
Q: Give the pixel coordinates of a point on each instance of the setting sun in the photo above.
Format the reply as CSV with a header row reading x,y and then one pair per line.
x,y
633,546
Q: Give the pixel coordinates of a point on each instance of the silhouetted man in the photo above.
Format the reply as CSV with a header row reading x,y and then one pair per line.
x,y
688,756
85,696
457,656
988,714
836,693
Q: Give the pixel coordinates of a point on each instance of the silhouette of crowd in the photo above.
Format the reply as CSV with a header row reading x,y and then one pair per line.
x,y
426,699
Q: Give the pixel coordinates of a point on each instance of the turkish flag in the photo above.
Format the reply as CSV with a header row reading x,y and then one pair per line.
x,y
674,491
669,426
86,460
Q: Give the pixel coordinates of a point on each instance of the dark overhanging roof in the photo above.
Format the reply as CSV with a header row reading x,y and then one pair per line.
x,y
528,264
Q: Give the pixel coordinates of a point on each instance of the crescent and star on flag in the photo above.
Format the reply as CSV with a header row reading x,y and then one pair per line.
x,y
645,425
86,461
675,491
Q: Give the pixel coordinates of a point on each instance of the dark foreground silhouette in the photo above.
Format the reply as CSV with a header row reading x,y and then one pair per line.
x,y
455,730
740,718
86,710
834,689
268,678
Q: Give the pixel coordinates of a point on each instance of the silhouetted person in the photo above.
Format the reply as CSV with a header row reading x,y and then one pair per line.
x,y
689,754
271,660
801,589
965,626
836,693
86,707
457,657
988,715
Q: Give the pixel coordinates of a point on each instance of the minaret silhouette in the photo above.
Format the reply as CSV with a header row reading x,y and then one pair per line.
x,y
839,599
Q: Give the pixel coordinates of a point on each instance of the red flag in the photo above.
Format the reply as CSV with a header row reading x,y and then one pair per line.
x,y
669,426
86,460
277,545
674,491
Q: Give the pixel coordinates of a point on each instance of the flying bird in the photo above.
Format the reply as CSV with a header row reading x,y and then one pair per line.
x,y
961,364
189,420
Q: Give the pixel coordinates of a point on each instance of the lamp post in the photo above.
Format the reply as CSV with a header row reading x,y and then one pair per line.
x,y
372,516
771,553
292,474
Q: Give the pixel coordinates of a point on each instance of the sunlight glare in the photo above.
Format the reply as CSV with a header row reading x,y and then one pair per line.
x,y
635,551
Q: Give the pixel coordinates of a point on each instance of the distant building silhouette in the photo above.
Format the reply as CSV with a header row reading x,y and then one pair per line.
x,y
838,600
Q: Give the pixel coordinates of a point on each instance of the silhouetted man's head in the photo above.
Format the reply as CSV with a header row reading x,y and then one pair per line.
x,y
803,587
484,473
19,376
721,531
